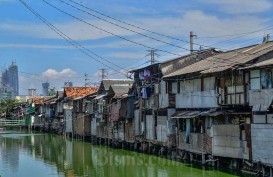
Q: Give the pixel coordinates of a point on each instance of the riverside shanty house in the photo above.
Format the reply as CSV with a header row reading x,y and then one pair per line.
x,y
109,105
35,107
154,129
77,121
213,100
260,99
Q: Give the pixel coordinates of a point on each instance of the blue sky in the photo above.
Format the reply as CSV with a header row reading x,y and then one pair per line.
x,y
42,55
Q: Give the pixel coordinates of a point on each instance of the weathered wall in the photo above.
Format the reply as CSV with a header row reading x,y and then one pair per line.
x,y
262,144
150,127
82,125
260,99
205,99
161,129
129,131
163,99
226,142
197,142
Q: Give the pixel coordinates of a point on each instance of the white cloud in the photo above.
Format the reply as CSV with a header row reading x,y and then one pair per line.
x,y
54,77
242,6
54,74
212,25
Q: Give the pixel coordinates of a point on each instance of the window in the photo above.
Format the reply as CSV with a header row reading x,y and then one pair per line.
x,y
209,83
266,79
255,83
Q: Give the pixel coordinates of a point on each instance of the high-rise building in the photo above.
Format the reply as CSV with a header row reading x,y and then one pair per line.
x,y
45,88
68,84
10,79
13,79
32,92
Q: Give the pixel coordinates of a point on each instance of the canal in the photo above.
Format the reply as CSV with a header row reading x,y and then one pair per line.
x,y
43,155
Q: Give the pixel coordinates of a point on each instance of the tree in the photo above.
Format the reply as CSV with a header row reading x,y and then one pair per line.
x,y
8,106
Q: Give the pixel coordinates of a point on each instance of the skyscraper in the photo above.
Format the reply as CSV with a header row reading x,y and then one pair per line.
x,y
13,79
32,92
45,88
10,79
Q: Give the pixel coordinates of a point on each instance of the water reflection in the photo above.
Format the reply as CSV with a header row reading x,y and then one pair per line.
x,y
51,155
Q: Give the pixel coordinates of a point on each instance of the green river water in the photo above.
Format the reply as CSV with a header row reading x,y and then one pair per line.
x,y
41,155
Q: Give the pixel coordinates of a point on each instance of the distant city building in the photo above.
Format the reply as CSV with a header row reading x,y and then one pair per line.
x,y
45,88
68,84
32,92
10,81
5,93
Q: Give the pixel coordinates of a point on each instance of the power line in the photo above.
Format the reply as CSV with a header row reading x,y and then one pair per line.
x,y
75,44
64,36
118,36
238,34
90,9
139,33
126,23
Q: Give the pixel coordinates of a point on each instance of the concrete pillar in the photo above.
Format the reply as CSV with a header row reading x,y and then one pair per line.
x,y
270,171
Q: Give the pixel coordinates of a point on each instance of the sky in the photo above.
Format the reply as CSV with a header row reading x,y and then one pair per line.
x,y
73,41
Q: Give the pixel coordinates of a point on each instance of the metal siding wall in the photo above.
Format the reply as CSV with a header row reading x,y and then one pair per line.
x,y
261,137
137,123
161,129
203,99
150,128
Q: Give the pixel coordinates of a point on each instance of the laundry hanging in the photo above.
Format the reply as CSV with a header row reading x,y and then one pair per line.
x,y
146,92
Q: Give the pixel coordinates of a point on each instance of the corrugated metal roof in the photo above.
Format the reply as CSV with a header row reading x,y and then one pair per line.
x,y
173,65
108,82
120,90
226,60
260,64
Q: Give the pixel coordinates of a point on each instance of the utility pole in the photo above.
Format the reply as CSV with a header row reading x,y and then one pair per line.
x,y
102,74
191,41
85,79
152,54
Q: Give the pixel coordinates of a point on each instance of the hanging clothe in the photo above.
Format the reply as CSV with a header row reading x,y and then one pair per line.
x,y
146,92
143,93
141,75
146,75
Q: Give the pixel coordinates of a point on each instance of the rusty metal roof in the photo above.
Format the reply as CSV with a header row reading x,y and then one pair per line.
x,y
226,60
37,100
73,92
